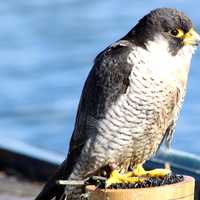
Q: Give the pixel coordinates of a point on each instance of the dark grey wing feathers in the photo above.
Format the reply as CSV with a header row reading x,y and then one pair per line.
x,y
108,79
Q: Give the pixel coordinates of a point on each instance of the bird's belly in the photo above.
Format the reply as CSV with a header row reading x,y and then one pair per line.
x,y
134,127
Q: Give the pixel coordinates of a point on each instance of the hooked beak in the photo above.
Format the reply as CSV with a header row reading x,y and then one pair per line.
x,y
191,38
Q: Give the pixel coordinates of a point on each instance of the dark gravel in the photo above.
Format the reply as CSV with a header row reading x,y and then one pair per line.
x,y
149,182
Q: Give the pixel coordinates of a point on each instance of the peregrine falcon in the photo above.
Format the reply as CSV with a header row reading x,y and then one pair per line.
x,y
130,102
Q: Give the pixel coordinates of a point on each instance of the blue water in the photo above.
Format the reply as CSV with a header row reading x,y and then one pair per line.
x,y
46,51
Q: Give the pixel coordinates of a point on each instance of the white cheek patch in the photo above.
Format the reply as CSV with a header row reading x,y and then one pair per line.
x,y
187,51
160,61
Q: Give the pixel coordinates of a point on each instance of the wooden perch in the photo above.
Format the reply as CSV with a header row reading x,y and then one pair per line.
x,y
179,191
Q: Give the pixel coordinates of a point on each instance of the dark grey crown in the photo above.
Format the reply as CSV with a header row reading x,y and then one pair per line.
x,y
161,20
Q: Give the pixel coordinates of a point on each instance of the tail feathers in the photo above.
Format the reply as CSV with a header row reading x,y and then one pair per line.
x,y
52,189
60,193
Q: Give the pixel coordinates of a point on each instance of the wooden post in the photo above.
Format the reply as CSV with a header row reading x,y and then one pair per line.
x,y
183,190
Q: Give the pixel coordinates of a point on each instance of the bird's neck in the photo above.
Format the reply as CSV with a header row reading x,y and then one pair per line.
x,y
161,65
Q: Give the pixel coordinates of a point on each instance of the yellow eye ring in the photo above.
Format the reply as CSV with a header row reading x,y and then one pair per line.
x,y
177,33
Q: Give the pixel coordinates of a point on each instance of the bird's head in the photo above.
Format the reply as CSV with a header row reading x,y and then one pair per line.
x,y
165,25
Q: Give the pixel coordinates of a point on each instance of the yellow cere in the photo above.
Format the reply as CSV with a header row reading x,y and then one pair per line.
x,y
191,37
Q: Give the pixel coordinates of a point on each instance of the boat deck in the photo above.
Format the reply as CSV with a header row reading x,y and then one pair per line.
x,y
27,167
12,188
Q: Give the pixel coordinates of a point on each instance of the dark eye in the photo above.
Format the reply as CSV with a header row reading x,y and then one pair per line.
x,y
174,32
177,33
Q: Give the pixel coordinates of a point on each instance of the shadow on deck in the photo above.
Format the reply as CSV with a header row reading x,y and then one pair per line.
x,y
28,167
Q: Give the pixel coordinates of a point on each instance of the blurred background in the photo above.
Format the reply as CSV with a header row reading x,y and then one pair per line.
x,y
46,51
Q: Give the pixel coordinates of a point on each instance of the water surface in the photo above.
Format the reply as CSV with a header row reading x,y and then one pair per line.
x,y
46,51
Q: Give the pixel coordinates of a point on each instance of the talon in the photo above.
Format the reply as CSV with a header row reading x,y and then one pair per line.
x,y
158,172
116,177
138,175
139,171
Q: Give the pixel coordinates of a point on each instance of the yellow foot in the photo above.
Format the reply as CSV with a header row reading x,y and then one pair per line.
x,y
116,177
137,175
139,171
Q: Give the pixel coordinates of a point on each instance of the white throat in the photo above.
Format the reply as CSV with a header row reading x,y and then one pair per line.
x,y
162,64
